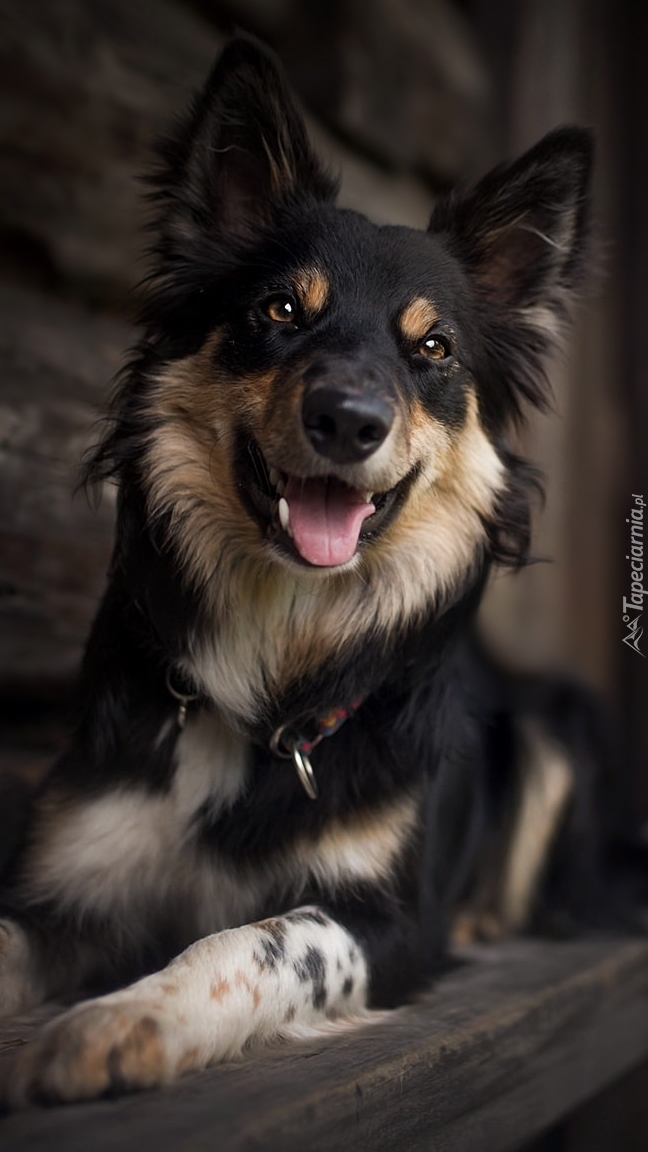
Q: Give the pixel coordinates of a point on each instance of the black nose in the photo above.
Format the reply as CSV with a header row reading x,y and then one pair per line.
x,y
345,426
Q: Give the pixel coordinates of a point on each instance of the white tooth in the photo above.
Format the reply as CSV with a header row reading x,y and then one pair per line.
x,y
284,514
274,477
368,497
280,486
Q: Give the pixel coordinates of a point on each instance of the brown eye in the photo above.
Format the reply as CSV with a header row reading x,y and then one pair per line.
x,y
434,348
281,309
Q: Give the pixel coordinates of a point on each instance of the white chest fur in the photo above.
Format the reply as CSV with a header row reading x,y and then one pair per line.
x,y
132,856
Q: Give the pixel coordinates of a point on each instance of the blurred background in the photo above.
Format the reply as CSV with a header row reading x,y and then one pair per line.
x,y
406,98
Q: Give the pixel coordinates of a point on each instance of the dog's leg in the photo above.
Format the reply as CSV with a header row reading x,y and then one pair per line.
x,y
39,963
221,996
22,980
90,890
101,877
511,884
548,784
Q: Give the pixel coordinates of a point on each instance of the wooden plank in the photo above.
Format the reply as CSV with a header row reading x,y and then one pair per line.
x,y
505,1044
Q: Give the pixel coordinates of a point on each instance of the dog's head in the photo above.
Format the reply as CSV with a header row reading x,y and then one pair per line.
x,y
322,394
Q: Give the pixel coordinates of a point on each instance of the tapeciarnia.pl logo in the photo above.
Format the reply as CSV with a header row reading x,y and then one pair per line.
x,y
637,593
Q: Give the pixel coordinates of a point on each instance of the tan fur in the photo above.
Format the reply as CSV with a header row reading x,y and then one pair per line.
x,y
417,318
475,925
313,290
363,848
432,544
190,1060
243,982
510,880
188,462
546,785
272,622
97,1044
140,1055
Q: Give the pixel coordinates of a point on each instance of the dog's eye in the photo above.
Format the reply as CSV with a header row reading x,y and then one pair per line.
x,y
281,309
434,348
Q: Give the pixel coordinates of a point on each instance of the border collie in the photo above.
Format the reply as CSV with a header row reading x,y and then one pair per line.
x,y
293,767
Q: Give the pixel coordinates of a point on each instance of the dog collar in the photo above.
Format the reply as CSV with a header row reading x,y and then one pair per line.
x,y
285,741
291,745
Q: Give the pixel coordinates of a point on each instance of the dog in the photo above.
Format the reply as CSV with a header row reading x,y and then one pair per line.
x,y
293,766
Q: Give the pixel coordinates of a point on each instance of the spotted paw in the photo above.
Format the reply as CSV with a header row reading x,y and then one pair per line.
x,y
94,1049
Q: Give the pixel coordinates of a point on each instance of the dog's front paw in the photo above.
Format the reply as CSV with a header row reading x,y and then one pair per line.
x,y
96,1048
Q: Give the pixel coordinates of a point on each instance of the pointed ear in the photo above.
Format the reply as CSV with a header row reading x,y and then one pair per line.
x,y
521,230
242,153
522,236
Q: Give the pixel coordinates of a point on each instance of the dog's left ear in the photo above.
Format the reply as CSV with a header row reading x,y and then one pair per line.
x,y
242,154
521,235
521,232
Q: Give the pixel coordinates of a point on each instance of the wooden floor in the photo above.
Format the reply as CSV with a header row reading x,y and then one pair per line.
x,y
508,1042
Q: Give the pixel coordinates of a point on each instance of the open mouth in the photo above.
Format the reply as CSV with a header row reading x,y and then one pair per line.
x,y
318,521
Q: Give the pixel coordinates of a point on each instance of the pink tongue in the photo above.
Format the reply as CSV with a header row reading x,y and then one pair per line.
x,y
325,519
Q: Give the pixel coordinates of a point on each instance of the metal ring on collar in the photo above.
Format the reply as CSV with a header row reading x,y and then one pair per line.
x,y
277,745
305,773
290,751
183,699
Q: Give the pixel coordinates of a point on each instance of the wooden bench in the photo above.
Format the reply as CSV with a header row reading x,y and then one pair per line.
x,y
508,1042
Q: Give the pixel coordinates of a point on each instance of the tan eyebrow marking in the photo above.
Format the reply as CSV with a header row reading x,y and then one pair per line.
x,y
417,318
313,290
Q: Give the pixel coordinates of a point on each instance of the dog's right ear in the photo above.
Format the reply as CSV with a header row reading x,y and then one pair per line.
x,y
241,154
